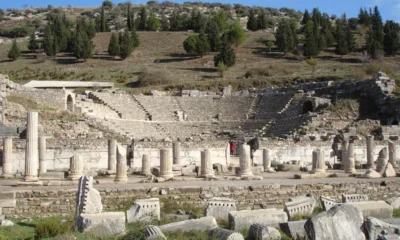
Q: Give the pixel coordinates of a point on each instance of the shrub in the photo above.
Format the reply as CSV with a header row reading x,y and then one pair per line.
x,y
373,68
52,226
269,71
190,44
16,32
14,52
396,213
222,68
151,77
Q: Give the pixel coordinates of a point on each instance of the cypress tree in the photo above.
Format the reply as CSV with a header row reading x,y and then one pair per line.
x,y
103,22
322,45
82,44
226,55
49,42
294,27
113,46
252,21
214,35
14,52
341,38
33,44
143,19
261,20
306,17
202,44
125,43
375,36
310,46
316,17
135,39
190,44
392,38
130,18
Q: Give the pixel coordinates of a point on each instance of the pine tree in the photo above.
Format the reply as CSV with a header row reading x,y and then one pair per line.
x,y
190,44
14,52
130,18
103,21
226,55
82,44
351,42
143,19
392,37
49,42
252,22
261,20
316,17
153,24
375,36
341,38
135,39
322,45
202,44
214,35
91,29
284,37
236,35
33,44
294,27
125,43
306,17
310,46
113,46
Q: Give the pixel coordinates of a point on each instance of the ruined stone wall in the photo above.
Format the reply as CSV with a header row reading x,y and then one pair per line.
x,y
247,196
52,98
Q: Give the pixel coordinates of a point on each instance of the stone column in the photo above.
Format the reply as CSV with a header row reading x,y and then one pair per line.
x,y
146,165
176,151
42,155
344,148
112,158
206,164
228,155
267,161
75,168
165,164
7,158
245,161
350,160
318,161
121,173
31,149
370,152
382,161
392,154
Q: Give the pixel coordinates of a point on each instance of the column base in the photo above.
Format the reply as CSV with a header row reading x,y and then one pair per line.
x,y
74,177
31,179
351,171
121,180
167,175
4,175
269,170
146,173
30,184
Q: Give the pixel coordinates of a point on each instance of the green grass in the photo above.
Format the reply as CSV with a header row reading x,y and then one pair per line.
x,y
396,213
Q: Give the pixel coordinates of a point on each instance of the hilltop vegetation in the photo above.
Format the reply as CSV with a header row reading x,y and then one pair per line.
x,y
192,45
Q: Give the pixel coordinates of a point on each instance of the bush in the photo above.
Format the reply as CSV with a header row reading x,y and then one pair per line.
x,y
21,31
152,77
222,68
396,213
52,226
190,44
373,68
269,71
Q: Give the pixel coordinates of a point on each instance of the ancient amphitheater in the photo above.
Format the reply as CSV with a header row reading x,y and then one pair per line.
x,y
176,146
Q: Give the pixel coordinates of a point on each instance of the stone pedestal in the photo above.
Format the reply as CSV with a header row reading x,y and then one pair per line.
x,y
31,149
146,165
245,161
42,155
165,164
392,154
370,152
75,168
344,148
350,166
267,161
121,173
206,164
112,158
176,154
318,162
382,160
7,158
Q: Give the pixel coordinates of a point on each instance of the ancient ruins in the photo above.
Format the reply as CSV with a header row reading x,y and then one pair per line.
x,y
259,159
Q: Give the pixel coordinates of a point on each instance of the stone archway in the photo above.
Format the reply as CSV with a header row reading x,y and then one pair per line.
x,y
308,107
70,103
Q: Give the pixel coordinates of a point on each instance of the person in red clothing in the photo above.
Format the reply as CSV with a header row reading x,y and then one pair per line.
x,y
232,146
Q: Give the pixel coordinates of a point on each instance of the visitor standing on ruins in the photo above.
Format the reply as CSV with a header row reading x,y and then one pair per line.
x,y
232,147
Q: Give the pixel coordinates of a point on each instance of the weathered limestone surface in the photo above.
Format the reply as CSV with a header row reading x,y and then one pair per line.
x,y
7,171
300,206
154,233
378,209
392,154
263,232
239,220
146,165
165,164
328,203
76,168
144,210
121,175
344,148
7,199
201,224
350,159
225,234
31,149
374,227
294,230
371,173
389,171
112,156
267,162
88,199
382,160
341,222
206,164
370,152
348,198
220,207
176,148
102,224
318,162
245,161
42,155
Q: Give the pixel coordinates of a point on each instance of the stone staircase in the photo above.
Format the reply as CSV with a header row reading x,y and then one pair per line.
x,y
148,115
88,108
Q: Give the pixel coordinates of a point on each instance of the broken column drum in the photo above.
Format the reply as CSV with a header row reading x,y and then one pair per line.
x,y
112,158
382,160
318,161
75,168
267,161
350,160
176,148
121,173
146,165
165,164
206,164
7,158
245,161
344,148
31,149
42,155
370,151
392,154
